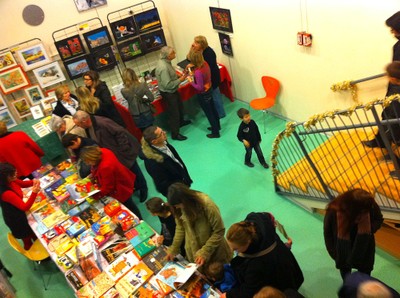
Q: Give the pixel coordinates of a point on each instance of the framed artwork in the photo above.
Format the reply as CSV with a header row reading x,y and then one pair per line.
x,y
70,47
7,61
83,5
49,74
22,107
6,117
147,20
154,40
33,57
97,39
123,29
225,42
131,49
34,94
2,103
221,19
50,92
13,79
47,102
103,59
37,112
77,67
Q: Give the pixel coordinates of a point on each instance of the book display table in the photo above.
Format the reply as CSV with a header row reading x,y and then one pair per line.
x,y
102,248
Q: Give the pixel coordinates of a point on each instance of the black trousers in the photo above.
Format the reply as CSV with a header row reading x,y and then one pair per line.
x,y
258,151
175,111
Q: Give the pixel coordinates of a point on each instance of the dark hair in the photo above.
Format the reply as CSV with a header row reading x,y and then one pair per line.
x,y
394,21
149,134
69,139
6,170
242,112
215,271
180,193
94,75
393,69
241,233
157,205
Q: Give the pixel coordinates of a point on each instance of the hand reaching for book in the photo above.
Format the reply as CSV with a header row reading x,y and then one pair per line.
x,y
36,186
200,260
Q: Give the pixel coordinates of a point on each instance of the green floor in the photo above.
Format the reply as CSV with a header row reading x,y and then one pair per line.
x,y
216,167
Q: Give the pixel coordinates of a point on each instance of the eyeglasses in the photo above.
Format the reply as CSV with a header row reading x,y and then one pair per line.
x,y
87,79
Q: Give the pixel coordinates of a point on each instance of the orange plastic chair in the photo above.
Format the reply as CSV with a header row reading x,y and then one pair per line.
x,y
271,87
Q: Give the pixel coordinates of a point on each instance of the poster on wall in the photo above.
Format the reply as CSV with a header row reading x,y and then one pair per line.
x,y
33,57
49,74
2,103
13,79
83,5
70,47
7,61
34,94
221,19
147,20
22,107
97,39
5,116
226,45
123,29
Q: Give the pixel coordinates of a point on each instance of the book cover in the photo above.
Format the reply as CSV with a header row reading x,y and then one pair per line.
x,y
111,293
196,287
139,233
121,265
54,218
76,278
147,290
88,264
104,226
90,216
156,259
145,247
96,287
115,249
132,281
50,178
76,228
175,275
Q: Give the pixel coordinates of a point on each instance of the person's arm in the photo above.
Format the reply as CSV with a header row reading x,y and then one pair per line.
x,y
257,131
198,82
12,198
174,249
106,177
166,82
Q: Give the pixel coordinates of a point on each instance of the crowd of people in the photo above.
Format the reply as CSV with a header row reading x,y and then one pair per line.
x,y
250,259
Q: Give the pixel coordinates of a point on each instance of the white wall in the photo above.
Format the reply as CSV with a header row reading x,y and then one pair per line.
x,y
350,41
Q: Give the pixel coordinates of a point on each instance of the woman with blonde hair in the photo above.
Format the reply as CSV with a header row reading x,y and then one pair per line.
x,y
139,98
88,102
67,103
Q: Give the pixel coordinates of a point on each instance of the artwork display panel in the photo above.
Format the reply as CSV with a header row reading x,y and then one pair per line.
x,y
147,20
33,57
7,61
13,79
221,19
131,49
22,107
225,42
47,102
6,117
97,39
49,74
83,5
153,41
103,59
70,47
123,29
34,94
77,67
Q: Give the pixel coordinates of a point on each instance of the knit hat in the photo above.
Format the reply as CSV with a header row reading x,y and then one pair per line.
x,y
394,21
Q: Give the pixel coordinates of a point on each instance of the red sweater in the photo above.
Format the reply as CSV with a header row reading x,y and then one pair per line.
x,y
114,179
18,149
15,195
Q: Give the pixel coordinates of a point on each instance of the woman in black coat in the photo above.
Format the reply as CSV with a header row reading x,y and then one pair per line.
x,y
263,259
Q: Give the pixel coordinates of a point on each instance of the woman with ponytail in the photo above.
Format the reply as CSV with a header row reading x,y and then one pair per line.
x,y
351,220
262,258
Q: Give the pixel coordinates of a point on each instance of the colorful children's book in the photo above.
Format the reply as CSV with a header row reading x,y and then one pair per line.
x,y
139,233
115,249
145,247
96,287
132,281
76,278
55,218
174,275
156,259
104,226
111,293
90,216
121,265
196,287
147,290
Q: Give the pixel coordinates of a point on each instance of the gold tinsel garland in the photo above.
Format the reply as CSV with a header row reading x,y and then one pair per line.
x,y
346,85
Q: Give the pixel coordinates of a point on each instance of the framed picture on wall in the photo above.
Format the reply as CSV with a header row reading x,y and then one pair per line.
x,y
70,47
97,39
33,57
7,61
13,79
47,102
131,49
221,19
153,41
6,116
2,103
123,29
83,5
34,94
49,74
37,112
147,20
21,107
103,59
77,67
225,42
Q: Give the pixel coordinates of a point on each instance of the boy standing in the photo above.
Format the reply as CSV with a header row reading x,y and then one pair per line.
x,y
249,134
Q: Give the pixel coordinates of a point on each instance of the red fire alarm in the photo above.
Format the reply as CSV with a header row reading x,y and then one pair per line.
x,y
307,39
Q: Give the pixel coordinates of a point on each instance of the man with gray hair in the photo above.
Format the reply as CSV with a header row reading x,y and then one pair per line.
x,y
168,84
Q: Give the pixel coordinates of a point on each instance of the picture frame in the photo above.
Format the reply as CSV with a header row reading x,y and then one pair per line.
x,y
7,117
123,29
103,59
34,94
7,61
70,47
50,92
97,39
33,57
22,107
82,5
2,103
37,112
78,66
153,41
49,74
147,20
13,79
47,102
221,19
226,46
131,49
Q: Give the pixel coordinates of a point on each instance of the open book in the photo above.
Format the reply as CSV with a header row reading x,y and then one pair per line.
x,y
173,275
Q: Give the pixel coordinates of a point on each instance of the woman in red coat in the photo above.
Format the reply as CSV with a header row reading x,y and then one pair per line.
x,y
12,204
20,150
114,179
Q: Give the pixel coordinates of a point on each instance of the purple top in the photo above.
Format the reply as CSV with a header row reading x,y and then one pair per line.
x,y
202,78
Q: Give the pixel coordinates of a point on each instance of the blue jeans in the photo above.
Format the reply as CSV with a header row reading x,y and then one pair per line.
x,y
218,102
206,102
